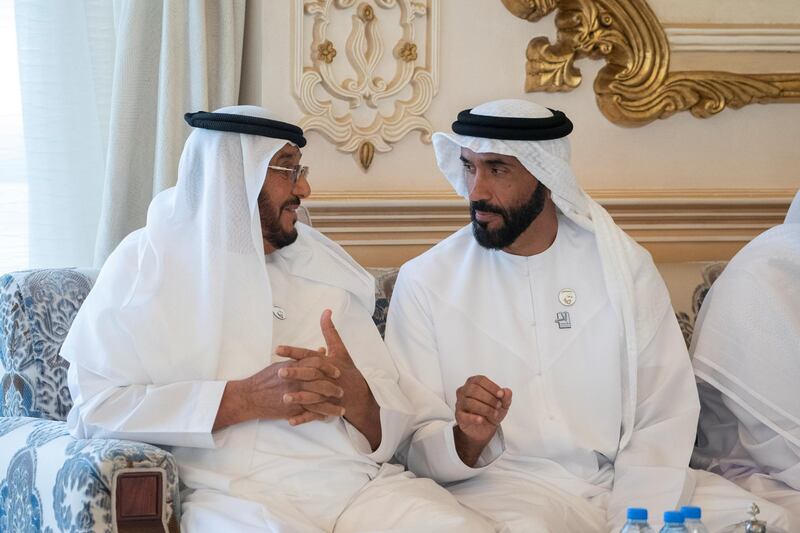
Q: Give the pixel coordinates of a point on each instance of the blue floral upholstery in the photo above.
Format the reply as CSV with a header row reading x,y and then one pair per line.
x,y
36,310
50,481
53,482
384,284
686,320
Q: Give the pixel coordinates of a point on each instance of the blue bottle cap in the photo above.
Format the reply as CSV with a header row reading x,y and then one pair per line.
x,y
635,513
692,513
673,517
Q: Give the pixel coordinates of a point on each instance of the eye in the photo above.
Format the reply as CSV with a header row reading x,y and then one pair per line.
x,y
469,167
498,171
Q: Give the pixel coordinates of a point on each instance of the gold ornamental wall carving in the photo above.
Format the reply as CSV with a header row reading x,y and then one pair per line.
x,y
365,72
635,86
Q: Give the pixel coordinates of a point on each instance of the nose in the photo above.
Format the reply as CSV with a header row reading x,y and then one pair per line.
x,y
479,186
302,188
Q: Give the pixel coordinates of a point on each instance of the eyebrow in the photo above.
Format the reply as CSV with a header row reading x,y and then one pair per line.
x,y
284,157
490,162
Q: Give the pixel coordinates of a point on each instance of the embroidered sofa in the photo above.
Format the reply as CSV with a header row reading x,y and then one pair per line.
x,y
52,482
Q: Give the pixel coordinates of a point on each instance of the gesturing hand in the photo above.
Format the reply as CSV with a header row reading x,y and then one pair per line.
x,y
279,392
481,405
311,370
359,405
269,393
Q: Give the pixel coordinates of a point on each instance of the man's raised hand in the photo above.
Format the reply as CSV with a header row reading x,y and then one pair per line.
x,y
481,405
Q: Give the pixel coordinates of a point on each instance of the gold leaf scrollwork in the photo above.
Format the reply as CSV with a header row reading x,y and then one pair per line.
x,y
326,52
635,86
408,52
550,69
366,13
365,154
531,10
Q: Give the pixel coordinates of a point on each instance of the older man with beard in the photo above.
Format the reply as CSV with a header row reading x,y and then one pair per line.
x,y
201,334
544,299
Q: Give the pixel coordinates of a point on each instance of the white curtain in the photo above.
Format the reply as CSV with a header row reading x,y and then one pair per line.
x,y
104,89
66,54
172,57
13,183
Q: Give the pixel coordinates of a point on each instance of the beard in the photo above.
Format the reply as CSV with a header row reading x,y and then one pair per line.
x,y
271,229
515,220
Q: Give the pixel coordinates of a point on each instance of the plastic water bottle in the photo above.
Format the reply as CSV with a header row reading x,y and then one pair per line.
x,y
693,523
674,522
637,521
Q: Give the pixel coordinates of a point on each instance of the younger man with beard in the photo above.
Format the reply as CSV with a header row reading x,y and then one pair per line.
x,y
543,296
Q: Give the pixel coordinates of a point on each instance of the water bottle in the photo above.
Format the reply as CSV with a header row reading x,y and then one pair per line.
x,y
637,522
693,523
674,522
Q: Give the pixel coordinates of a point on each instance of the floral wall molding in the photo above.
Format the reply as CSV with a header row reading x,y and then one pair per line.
x,y
635,86
343,51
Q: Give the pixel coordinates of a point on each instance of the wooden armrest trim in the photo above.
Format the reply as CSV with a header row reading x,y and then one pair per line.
x,y
138,502
139,496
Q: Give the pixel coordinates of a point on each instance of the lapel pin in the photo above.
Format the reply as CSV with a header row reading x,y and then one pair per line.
x,y
563,321
567,297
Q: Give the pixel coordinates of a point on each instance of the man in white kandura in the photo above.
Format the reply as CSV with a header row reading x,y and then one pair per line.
x,y
544,297
202,332
746,351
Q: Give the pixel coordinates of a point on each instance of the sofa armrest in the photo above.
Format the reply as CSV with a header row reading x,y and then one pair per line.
x,y
51,480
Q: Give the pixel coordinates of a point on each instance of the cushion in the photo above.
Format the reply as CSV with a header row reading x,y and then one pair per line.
x,y
37,308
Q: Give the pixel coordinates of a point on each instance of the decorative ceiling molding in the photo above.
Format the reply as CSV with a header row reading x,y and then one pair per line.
x,y
732,38
635,86
329,98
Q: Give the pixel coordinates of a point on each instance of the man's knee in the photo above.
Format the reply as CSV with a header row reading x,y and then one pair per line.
x,y
413,504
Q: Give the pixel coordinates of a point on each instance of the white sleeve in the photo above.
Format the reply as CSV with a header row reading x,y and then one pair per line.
x,y
429,449
175,414
652,470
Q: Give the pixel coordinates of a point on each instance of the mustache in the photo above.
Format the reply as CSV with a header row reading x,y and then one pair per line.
x,y
486,207
293,201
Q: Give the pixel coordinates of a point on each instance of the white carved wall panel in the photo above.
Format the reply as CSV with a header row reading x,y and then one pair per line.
x,y
365,71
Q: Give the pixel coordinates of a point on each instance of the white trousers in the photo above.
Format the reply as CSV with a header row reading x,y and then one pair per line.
x,y
531,505
394,501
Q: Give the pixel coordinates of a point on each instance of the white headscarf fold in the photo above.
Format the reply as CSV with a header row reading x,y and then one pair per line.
x,y
793,216
188,297
636,289
747,336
